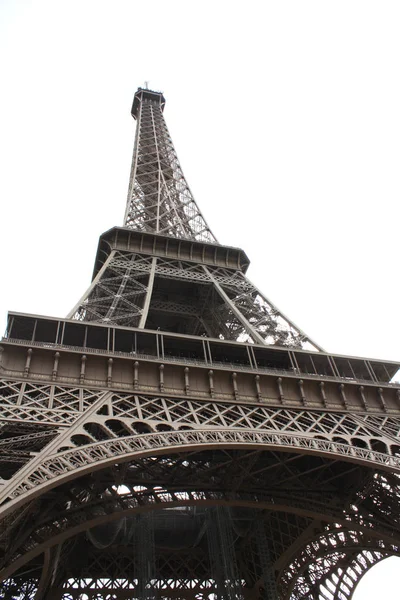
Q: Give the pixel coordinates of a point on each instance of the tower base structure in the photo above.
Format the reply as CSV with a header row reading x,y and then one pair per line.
x,y
274,461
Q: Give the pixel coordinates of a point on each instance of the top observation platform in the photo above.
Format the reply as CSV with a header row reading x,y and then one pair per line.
x,y
145,94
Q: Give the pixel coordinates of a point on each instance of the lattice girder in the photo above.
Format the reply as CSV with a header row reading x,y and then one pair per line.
x,y
226,303
127,414
328,433
335,560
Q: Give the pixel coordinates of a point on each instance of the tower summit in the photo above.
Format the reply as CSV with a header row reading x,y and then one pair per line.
x,y
144,94
177,436
159,198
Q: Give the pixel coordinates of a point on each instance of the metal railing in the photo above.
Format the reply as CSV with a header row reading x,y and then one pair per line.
x,y
229,366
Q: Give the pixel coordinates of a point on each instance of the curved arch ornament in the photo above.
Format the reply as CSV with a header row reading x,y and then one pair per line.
x,y
361,567
67,521
334,562
70,463
337,575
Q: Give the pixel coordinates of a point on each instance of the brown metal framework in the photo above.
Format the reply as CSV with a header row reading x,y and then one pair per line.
x,y
177,436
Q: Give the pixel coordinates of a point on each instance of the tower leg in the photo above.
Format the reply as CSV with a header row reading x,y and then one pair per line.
x,y
145,551
48,578
45,576
222,555
269,590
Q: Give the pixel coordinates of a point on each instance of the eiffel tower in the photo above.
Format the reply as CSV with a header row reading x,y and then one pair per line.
x,y
177,436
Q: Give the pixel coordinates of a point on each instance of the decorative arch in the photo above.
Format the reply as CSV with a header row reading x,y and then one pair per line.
x,y
339,556
373,561
59,467
79,517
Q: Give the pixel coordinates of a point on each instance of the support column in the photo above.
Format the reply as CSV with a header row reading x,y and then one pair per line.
x,y
145,553
253,333
270,591
222,554
49,588
145,310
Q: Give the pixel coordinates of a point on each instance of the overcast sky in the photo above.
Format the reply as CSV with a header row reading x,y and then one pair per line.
x,y
285,116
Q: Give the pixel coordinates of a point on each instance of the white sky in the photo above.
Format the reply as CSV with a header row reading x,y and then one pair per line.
x,y
285,116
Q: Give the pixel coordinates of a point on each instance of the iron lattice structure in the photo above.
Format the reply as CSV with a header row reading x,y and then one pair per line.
x,y
177,436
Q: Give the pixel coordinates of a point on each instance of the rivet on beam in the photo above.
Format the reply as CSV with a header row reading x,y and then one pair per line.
x,y
300,383
135,375
161,368
323,394
258,388
363,398
109,371
55,365
235,387
211,382
382,399
83,368
187,382
280,390
343,394
28,362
